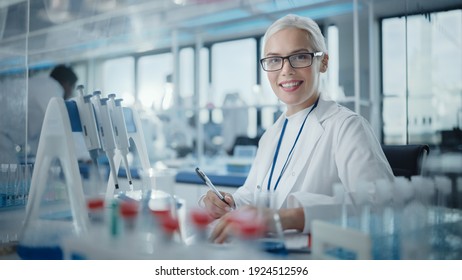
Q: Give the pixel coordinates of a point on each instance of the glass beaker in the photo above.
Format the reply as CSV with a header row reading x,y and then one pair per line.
x,y
273,238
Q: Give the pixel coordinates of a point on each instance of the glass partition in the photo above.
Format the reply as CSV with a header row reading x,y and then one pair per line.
x,y
13,78
399,56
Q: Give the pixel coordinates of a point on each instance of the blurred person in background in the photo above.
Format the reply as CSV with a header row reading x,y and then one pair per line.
x,y
60,82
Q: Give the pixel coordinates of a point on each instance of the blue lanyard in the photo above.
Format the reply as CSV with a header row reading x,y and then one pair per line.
x,y
276,153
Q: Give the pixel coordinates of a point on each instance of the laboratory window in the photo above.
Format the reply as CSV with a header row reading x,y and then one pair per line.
x,y
155,88
421,70
232,89
330,83
186,77
119,78
233,70
204,88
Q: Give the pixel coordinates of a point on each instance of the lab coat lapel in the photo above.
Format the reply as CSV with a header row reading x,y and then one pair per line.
x,y
302,153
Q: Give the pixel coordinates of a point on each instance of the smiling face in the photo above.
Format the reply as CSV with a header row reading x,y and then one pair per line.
x,y
297,88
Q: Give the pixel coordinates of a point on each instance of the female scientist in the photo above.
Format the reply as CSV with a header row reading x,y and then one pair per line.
x,y
313,145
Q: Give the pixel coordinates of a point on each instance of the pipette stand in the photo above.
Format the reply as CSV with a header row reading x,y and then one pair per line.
x,y
56,142
136,134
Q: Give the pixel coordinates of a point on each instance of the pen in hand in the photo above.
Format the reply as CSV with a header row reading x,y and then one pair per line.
x,y
210,185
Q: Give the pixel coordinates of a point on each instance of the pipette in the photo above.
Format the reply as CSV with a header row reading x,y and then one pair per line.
x,y
88,121
120,132
105,132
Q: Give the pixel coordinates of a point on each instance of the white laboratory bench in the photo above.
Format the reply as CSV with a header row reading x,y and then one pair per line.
x,y
11,220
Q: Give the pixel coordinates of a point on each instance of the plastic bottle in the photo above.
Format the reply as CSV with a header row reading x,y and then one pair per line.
x,y
414,225
166,246
94,192
383,227
200,220
248,239
131,232
129,213
362,200
364,203
443,190
339,194
199,246
11,185
26,176
403,193
158,226
96,211
3,184
442,228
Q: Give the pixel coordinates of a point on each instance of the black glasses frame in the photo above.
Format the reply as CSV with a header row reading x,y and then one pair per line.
x,y
289,57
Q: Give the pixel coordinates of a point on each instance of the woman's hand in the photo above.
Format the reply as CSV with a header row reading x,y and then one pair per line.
x,y
216,207
247,220
256,220
223,229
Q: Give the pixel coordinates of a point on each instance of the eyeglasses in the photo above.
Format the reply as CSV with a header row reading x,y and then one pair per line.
x,y
298,60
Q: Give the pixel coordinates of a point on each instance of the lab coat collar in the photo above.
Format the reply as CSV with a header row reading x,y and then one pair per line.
x,y
326,108
302,152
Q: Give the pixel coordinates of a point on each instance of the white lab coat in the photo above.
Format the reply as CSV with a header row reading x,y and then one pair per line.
x,y
41,89
339,146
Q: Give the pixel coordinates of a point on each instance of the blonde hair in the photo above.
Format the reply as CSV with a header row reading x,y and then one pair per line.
x,y
314,34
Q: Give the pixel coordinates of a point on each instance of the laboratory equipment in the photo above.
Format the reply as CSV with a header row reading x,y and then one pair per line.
x,y
105,132
272,240
403,223
14,184
200,219
136,136
89,125
56,206
250,237
242,159
3,184
109,127
9,185
94,190
129,212
120,133
385,223
327,238
339,194
57,212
